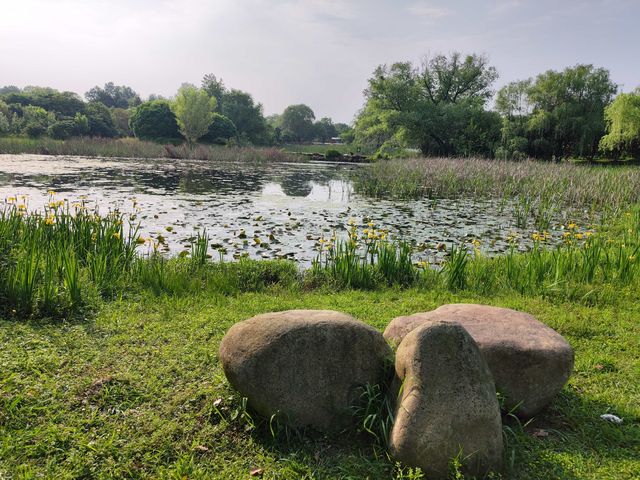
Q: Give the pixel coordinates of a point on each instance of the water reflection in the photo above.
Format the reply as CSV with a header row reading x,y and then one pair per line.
x,y
286,206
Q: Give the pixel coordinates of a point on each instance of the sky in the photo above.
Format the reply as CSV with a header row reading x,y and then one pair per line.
x,y
316,52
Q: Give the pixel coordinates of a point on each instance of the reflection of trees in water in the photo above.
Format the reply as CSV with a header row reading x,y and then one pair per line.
x,y
298,183
219,181
295,181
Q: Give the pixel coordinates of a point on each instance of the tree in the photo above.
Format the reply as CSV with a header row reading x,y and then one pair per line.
x,y
214,87
114,96
324,129
568,111
100,120
9,89
430,107
194,112
5,126
246,115
220,130
121,117
623,126
297,123
36,120
155,121
512,103
62,103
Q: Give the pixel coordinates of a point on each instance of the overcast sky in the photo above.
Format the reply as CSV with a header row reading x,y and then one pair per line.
x,y
317,52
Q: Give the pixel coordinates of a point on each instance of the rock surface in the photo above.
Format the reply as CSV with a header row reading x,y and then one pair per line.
x,y
447,403
529,361
307,366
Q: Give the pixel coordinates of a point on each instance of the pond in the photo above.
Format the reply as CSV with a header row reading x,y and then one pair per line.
x,y
276,210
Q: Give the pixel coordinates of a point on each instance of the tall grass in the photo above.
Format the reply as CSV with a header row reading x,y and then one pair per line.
x,y
61,261
585,266
365,260
538,186
48,256
134,148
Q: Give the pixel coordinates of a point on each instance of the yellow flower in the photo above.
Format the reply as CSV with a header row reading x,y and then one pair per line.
x,y
579,236
475,242
22,207
371,224
50,220
571,226
140,240
116,235
352,221
632,258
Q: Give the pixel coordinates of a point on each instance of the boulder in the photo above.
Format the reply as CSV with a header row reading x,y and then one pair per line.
x,y
306,366
529,361
447,405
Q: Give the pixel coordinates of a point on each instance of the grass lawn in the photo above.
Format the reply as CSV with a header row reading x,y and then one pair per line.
x,y
138,392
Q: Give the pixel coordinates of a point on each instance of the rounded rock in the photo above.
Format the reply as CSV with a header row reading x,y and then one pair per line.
x,y
306,366
529,361
447,405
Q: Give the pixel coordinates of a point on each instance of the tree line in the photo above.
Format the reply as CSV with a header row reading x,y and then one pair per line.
x,y
211,113
441,107
445,106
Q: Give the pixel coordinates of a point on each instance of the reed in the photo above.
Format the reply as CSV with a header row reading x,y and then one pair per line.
x,y
134,148
536,186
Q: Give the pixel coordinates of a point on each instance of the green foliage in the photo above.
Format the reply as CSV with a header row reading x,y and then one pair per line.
x,y
121,118
560,114
220,131
35,121
154,121
438,107
324,130
215,88
99,119
62,103
114,96
5,126
297,123
62,129
332,154
246,115
623,126
194,112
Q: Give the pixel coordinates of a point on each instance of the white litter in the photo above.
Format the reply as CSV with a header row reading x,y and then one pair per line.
x,y
611,418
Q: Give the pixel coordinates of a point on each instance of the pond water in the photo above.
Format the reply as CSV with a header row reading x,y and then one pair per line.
x,y
276,210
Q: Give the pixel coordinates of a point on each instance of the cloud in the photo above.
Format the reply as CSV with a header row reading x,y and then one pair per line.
x,y
427,10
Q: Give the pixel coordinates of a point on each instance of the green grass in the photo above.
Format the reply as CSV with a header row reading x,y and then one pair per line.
x,y
109,361
134,393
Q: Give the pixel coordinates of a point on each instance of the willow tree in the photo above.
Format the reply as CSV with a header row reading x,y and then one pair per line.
x,y
623,126
194,112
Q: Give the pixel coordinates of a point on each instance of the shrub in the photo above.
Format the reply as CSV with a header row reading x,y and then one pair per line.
x,y
220,130
333,155
154,121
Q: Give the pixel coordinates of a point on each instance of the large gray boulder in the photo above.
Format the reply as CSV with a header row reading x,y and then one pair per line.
x,y
529,361
307,366
447,404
